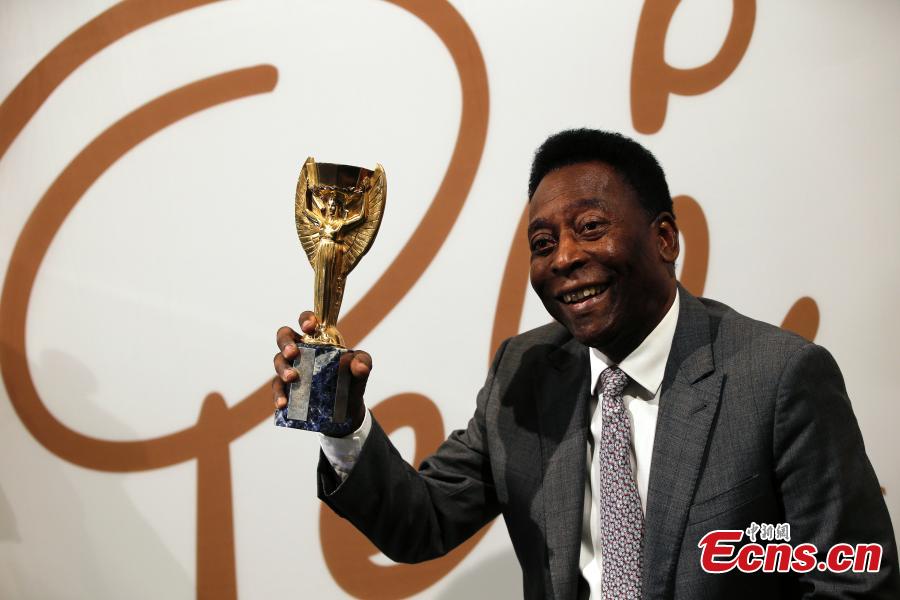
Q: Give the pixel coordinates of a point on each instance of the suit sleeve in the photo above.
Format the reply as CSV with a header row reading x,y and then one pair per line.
x,y
415,515
829,489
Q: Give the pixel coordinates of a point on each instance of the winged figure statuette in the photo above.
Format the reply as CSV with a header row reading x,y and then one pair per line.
x,y
338,210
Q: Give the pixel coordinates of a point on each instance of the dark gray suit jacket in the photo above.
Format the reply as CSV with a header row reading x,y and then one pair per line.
x,y
754,425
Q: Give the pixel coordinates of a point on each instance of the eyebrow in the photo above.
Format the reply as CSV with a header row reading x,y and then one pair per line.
x,y
538,224
589,202
592,202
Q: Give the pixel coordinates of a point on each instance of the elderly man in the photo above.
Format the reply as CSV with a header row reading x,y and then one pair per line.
x,y
614,439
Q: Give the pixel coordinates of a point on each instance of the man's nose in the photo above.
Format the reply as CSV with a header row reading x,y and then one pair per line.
x,y
569,255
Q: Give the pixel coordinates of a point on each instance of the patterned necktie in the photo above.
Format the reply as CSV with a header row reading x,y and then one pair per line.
x,y
621,519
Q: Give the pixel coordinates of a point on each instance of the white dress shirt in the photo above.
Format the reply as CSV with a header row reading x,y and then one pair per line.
x,y
645,368
343,452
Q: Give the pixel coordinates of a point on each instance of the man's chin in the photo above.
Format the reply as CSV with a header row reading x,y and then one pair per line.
x,y
591,336
590,329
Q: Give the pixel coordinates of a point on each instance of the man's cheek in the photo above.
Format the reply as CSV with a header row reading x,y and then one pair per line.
x,y
534,278
555,311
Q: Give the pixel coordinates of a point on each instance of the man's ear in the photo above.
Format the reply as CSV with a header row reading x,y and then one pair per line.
x,y
667,237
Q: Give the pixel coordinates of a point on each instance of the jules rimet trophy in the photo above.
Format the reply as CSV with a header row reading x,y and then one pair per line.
x,y
337,209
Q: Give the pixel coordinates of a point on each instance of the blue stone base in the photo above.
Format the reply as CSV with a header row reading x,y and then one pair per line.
x,y
312,398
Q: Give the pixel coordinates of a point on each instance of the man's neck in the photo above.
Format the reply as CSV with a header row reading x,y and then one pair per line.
x,y
624,345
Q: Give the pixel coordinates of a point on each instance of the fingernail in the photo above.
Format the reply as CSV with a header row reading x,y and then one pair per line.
x,y
288,348
307,324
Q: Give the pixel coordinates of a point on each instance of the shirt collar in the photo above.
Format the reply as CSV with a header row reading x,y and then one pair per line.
x,y
646,365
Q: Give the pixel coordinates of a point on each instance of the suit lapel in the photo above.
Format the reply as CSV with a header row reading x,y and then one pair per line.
x,y
688,403
562,416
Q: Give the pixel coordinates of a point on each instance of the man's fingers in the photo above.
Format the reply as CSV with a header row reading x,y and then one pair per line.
x,y
361,364
287,339
283,368
278,393
308,322
360,367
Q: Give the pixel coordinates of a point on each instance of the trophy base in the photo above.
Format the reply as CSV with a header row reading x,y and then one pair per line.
x,y
317,401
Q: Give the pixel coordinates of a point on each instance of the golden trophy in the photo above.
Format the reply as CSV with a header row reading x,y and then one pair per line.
x,y
337,209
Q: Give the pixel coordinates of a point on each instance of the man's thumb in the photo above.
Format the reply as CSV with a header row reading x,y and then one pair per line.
x,y
360,367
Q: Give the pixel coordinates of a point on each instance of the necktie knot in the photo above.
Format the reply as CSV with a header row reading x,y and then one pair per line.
x,y
612,382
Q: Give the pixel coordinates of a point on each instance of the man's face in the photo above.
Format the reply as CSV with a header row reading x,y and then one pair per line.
x,y
599,263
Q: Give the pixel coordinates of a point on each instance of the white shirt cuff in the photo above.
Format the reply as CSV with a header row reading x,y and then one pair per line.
x,y
343,452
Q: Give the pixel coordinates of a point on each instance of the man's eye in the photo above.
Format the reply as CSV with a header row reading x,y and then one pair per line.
x,y
541,244
594,226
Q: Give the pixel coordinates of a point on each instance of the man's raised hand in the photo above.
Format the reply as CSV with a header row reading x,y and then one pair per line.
x,y
360,364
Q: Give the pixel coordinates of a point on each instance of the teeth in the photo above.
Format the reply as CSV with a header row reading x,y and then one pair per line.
x,y
580,294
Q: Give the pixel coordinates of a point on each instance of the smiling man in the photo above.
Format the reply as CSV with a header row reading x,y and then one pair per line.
x,y
616,438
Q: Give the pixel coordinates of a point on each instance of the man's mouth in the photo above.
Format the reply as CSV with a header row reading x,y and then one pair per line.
x,y
582,294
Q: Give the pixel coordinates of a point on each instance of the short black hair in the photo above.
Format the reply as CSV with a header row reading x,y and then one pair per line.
x,y
631,160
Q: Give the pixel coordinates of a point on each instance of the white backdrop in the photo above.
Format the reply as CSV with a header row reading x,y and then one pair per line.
x,y
169,277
